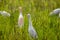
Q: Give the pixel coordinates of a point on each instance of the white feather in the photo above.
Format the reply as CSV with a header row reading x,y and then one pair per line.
x,y
56,11
4,13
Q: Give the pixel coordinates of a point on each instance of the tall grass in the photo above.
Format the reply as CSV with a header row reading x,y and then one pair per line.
x,y
47,27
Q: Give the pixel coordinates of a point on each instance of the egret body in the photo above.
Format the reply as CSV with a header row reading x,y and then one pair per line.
x,y
56,11
31,30
4,13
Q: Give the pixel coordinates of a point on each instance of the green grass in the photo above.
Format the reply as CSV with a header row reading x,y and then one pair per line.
x,y
47,27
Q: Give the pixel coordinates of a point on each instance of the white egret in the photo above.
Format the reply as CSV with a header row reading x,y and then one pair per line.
x,y
4,13
20,19
56,11
31,30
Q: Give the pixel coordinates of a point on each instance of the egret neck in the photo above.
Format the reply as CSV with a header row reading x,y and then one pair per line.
x,y
20,9
30,23
20,13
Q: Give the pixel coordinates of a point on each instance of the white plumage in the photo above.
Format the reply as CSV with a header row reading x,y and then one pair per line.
x,y
56,11
4,13
31,30
20,19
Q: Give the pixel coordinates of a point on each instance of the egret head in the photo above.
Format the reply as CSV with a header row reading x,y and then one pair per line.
x,y
4,12
9,14
20,9
28,15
